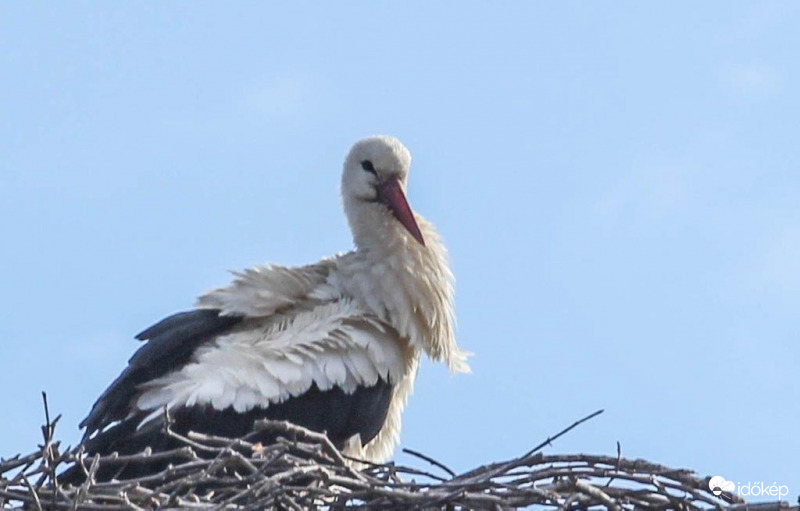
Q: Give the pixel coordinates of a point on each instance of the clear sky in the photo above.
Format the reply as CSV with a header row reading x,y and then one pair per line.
x,y
618,185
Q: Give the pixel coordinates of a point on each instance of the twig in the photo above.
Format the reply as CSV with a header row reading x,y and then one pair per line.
x,y
563,432
430,460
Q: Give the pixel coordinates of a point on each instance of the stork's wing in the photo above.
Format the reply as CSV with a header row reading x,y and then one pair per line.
x,y
256,292
170,344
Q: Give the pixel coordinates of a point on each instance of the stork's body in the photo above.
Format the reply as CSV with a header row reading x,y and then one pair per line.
x,y
333,346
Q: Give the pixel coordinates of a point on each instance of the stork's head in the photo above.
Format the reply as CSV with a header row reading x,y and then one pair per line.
x,y
373,188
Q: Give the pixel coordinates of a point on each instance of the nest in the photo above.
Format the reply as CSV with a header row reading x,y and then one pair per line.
x,y
303,470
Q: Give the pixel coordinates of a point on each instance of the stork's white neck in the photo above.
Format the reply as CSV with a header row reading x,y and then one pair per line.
x,y
373,226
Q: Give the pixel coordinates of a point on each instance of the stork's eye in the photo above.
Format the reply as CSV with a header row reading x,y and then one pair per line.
x,y
367,165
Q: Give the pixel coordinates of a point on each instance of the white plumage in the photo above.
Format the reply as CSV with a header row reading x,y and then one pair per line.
x,y
347,322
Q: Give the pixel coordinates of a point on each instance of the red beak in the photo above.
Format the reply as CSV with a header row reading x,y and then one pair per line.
x,y
390,194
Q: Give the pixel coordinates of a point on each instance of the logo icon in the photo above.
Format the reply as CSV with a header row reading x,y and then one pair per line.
x,y
719,484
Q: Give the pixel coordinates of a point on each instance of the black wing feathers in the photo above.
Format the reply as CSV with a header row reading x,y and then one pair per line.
x,y
177,321
334,411
170,344
177,336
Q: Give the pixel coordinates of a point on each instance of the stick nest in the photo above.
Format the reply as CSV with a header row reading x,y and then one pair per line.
x,y
303,470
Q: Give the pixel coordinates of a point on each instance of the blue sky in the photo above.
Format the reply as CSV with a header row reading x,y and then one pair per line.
x,y
617,183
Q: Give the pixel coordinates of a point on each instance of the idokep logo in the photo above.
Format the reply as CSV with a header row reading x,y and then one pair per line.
x,y
719,484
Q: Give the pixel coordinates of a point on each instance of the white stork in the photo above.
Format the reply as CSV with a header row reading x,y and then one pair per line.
x,y
333,346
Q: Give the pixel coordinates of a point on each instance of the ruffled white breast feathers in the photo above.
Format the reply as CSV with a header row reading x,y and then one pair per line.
x,y
409,286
